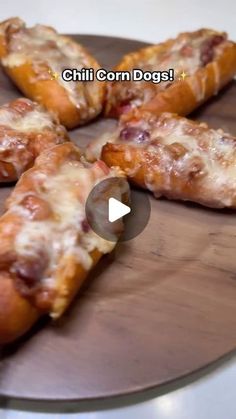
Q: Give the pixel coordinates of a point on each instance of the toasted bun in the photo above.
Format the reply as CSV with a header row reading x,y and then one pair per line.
x,y
17,315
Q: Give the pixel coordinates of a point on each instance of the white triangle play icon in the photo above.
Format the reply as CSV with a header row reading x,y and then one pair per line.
x,y
116,209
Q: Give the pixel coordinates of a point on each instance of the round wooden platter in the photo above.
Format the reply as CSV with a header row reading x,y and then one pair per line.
x,y
162,306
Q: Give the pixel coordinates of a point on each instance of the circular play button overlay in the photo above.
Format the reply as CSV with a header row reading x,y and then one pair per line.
x,y
113,210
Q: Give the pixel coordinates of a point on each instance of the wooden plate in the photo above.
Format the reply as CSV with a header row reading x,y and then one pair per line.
x,y
163,306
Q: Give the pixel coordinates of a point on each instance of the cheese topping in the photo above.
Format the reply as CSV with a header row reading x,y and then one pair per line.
x,y
184,54
36,119
60,236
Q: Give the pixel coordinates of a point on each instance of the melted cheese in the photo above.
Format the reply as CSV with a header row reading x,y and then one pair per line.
x,y
174,59
62,236
94,148
35,120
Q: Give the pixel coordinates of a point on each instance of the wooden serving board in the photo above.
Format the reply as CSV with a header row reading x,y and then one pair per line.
x,y
162,306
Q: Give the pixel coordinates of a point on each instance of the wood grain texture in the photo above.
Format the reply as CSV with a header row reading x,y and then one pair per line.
x,y
162,306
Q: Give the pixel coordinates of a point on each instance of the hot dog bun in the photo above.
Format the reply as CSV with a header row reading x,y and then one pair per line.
x,y
34,59
207,59
47,246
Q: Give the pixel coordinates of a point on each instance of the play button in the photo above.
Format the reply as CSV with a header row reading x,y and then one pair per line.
x,y
116,210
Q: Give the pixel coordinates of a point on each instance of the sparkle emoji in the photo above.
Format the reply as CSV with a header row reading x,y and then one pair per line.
x,y
54,75
183,75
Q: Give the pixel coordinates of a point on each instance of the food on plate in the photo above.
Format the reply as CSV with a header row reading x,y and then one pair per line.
x,y
26,129
47,246
203,62
175,157
34,58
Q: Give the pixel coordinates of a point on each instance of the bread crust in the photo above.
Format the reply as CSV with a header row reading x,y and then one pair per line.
x,y
23,302
182,96
17,314
48,91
